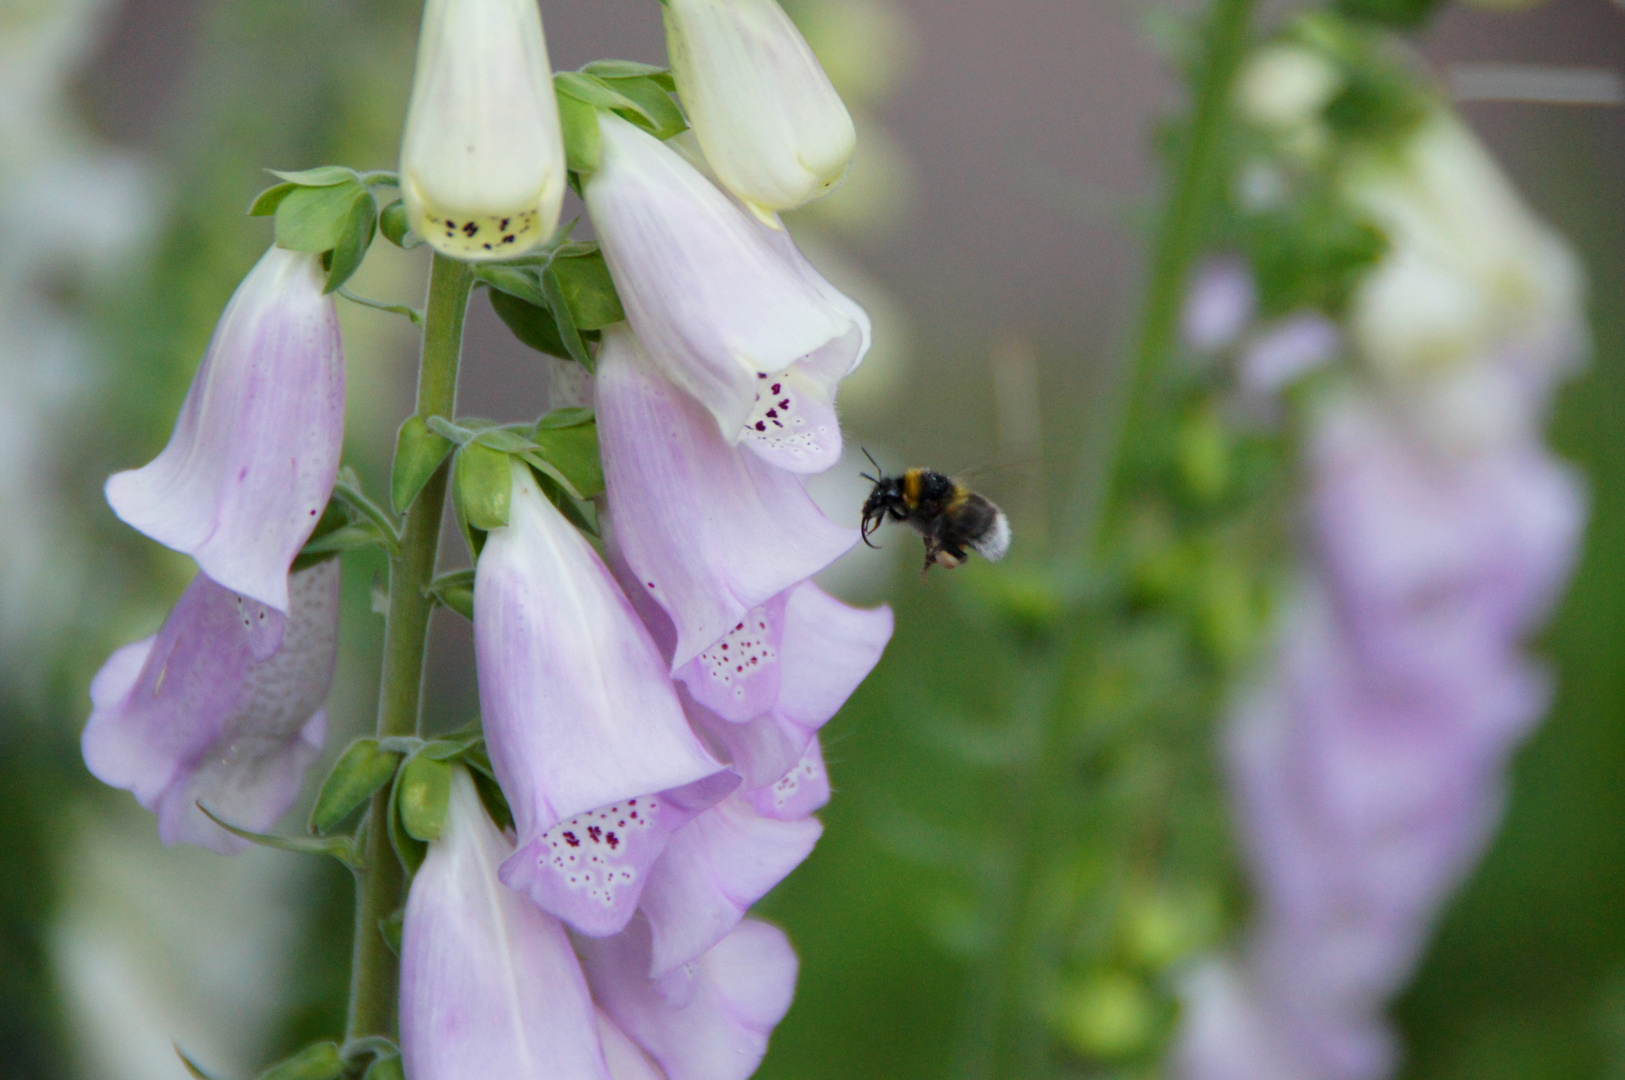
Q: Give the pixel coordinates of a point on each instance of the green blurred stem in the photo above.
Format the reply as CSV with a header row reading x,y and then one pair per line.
x,y
374,970
1013,1040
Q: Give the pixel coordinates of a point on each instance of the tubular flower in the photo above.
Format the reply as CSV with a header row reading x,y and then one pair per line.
x,y
482,161
707,531
222,707
706,1020
724,313
771,124
489,984
579,710
256,448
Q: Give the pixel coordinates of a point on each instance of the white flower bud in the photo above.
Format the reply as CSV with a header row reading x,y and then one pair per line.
x,y
770,123
482,162
1283,87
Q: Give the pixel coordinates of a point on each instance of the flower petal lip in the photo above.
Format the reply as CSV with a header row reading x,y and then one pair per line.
x,y
255,451
482,160
713,299
202,713
579,709
708,531
489,984
772,125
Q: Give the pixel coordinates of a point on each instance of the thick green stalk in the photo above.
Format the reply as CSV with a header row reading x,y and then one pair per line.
x,y
374,970
1015,1043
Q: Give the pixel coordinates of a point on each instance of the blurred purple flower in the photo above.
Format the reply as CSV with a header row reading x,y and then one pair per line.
x,y
1284,350
256,448
222,707
1219,304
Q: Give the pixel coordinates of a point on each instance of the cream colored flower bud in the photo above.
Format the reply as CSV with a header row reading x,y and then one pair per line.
x,y
770,123
482,162
1283,87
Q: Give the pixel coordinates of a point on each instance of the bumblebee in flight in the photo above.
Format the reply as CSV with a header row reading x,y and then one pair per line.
x,y
950,516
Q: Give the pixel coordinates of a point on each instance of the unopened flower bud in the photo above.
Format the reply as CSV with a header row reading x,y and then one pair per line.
x,y
482,161
770,123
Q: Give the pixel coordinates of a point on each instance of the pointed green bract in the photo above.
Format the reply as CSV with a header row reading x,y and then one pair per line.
x,y
484,486
418,453
362,770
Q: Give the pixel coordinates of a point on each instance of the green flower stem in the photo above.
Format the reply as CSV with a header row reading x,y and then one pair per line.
x,y
374,970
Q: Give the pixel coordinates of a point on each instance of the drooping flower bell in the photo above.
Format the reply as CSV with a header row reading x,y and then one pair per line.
x,y
772,126
756,337
584,728
489,984
222,707
482,161
256,448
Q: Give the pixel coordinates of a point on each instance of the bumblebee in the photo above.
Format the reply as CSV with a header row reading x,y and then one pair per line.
x,y
950,516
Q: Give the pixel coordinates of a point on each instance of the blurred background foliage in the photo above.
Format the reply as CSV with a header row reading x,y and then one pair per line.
x,y
993,223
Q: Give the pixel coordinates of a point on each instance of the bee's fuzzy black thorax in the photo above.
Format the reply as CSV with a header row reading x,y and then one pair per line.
x,y
951,518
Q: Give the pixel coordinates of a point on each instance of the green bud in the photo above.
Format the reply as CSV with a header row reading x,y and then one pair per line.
x,y
418,453
578,123
424,793
397,227
360,771
1110,1015
390,927
384,1068
484,486
1204,456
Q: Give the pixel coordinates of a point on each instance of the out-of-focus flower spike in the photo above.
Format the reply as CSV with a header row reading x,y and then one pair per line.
x,y
712,871
771,124
754,336
255,450
489,984
222,707
482,160
579,710
709,531
707,1020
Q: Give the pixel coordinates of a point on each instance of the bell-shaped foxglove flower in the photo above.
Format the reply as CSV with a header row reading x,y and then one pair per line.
x,y
222,707
489,984
482,160
256,448
772,126
709,1019
578,707
626,1060
707,530
757,337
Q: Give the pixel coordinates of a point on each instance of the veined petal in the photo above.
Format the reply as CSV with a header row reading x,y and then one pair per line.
x,y
708,530
707,1020
255,450
489,984
714,301
712,871
625,1060
772,125
579,710
591,869
204,713
482,161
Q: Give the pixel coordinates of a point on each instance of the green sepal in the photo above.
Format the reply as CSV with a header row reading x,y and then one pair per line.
x,y
265,204
408,849
315,219
531,323
425,794
573,450
319,177
572,416
574,512
517,281
389,928
384,1068
357,534
485,782
654,102
360,225
334,517
198,1071
341,848
397,227
589,290
418,453
578,123
569,333
319,1061
360,771
631,69
484,486
454,591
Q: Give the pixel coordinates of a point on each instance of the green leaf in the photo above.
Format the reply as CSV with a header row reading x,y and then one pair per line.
x,y
193,1067
390,928
320,1061
531,323
408,849
574,452
520,281
484,486
319,177
266,202
425,793
362,770
578,122
496,803
397,228
357,534
588,289
455,591
418,453
569,333
341,848
563,418
507,440
654,101
356,237
314,219
629,69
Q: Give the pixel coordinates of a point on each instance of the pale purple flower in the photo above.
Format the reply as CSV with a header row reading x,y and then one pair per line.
x,y
489,984
1283,351
708,531
578,706
708,1019
255,450
755,336
1219,304
223,706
